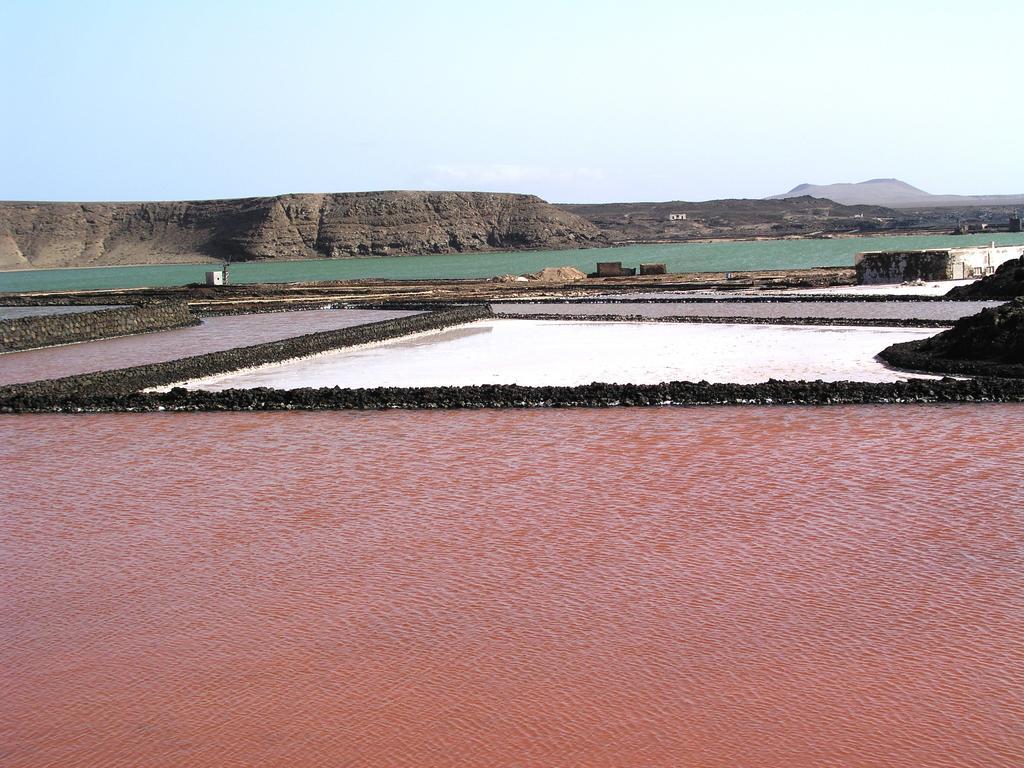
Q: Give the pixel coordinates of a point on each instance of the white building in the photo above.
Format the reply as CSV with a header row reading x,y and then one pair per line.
x,y
875,267
677,217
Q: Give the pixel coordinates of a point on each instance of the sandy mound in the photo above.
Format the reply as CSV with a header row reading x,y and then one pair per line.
x,y
557,275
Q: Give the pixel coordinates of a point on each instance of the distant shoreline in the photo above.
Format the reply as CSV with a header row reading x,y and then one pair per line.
x,y
212,261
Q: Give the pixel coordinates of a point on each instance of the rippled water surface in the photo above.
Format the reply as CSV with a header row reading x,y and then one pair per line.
x,y
791,587
215,334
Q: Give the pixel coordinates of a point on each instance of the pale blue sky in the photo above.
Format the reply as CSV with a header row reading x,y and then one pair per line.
x,y
573,101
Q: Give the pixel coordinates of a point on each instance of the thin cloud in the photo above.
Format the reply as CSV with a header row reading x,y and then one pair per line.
x,y
505,175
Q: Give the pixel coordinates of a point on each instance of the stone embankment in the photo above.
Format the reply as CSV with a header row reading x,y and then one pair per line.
x,y
990,343
645,297
904,322
512,396
254,297
55,394
50,330
121,390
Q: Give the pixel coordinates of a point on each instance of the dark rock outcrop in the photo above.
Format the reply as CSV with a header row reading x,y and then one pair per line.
x,y
302,226
990,343
1006,283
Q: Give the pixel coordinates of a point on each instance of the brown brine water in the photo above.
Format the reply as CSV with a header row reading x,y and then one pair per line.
x,y
662,587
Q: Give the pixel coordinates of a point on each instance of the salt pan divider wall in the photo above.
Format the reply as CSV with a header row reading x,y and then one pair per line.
x,y
50,330
137,378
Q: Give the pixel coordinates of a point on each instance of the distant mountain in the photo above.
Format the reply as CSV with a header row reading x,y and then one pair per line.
x,y
894,193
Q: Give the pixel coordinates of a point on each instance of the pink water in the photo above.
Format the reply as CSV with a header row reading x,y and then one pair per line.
x,y
215,334
672,587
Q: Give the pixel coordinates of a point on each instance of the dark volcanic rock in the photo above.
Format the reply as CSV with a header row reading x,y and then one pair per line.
x,y
996,335
1006,283
988,343
512,396
304,226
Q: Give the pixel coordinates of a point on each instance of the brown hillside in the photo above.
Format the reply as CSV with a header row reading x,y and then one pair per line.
x,y
301,226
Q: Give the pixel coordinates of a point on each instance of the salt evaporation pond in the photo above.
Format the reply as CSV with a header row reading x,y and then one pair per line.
x,y
782,587
214,335
539,352
941,311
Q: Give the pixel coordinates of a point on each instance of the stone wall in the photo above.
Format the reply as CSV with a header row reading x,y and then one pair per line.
x,y
50,330
899,266
903,322
130,380
875,267
514,396
1006,283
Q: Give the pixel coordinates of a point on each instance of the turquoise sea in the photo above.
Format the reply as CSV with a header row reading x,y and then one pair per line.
x,y
685,257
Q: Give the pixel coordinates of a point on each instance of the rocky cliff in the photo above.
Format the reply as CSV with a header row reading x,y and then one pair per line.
x,y
304,226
